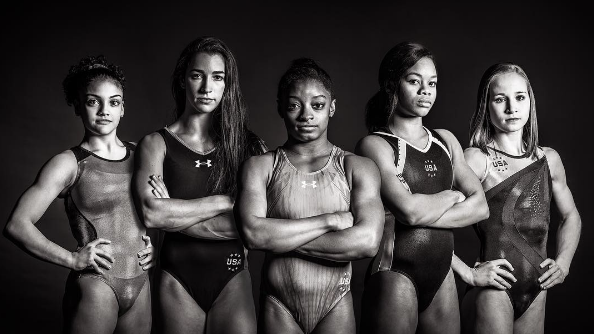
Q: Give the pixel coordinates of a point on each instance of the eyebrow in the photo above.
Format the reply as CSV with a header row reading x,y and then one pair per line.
x,y
201,71
111,97
297,97
415,73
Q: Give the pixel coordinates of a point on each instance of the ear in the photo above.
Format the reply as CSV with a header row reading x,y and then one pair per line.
x,y
332,107
123,108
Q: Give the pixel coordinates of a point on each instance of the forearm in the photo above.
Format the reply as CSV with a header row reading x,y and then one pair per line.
x,y
32,241
462,270
347,245
172,214
567,240
284,235
470,211
221,227
422,209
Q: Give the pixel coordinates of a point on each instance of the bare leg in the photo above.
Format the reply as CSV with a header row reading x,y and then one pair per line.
x,y
234,310
487,311
532,321
138,318
275,318
340,320
178,310
90,306
389,304
443,314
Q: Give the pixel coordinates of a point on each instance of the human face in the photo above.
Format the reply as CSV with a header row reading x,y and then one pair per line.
x,y
306,110
418,89
204,82
100,106
509,103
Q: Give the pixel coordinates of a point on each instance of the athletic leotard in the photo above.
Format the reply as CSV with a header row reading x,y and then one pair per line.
x,y
422,254
202,266
518,226
99,205
306,287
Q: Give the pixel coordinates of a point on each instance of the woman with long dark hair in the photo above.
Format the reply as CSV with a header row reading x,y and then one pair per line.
x,y
186,183
427,189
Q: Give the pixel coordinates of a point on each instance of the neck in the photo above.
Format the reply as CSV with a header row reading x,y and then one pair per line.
x,y
107,143
316,147
196,126
406,127
510,142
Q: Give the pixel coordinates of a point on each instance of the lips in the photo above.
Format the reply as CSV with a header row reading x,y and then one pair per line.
x,y
424,103
306,127
103,121
204,100
512,119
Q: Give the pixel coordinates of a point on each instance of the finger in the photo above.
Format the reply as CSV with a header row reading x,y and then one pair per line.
x,y
146,260
502,282
148,266
498,283
552,280
102,262
547,262
103,254
503,263
98,241
147,241
156,194
506,274
547,274
96,268
156,187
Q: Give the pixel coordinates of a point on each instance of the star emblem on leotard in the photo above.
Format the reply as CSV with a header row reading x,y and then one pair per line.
x,y
430,168
233,262
345,282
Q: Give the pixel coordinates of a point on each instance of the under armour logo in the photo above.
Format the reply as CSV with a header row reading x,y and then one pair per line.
x,y
305,184
207,163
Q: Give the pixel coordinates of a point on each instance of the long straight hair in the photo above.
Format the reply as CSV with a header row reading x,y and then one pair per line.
x,y
230,118
396,62
481,128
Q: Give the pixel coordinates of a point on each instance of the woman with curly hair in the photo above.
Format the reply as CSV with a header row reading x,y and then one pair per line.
x,y
108,288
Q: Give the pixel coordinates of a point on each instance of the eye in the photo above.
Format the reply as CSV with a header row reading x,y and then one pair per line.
x,y
196,76
432,83
521,97
413,81
92,102
115,103
499,100
318,106
293,106
218,77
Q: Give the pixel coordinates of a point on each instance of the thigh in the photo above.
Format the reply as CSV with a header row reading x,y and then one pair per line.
x,y
178,311
487,310
90,306
532,321
443,314
340,320
233,311
389,304
138,318
275,318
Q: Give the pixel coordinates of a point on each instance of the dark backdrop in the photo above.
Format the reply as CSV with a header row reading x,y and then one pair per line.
x,y
40,42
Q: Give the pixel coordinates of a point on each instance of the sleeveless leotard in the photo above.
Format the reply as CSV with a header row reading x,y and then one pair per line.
x,y
99,205
306,287
422,254
517,228
202,266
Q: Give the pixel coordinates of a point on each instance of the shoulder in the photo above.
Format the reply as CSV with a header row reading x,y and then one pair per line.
x,y
61,168
256,145
553,160
358,162
447,136
152,141
258,163
371,144
474,155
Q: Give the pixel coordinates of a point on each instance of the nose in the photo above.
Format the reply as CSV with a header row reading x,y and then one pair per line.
x,y
425,89
511,107
206,86
306,114
102,111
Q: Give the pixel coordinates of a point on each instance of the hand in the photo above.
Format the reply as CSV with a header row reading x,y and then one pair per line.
x,y
553,276
461,196
159,188
492,274
146,255
343,220
91,256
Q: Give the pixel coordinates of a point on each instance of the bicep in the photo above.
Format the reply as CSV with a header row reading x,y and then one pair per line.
x,y
561,192
365,192
251,198
149,157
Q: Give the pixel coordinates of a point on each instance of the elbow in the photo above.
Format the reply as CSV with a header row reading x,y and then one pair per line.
x,y
369,245
252,239
149,214
482,210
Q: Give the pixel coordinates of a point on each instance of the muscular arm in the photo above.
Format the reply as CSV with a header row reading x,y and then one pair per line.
x,y
169,214
55,176
569,227
411,209
363,238
472,209
272,234
219,227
